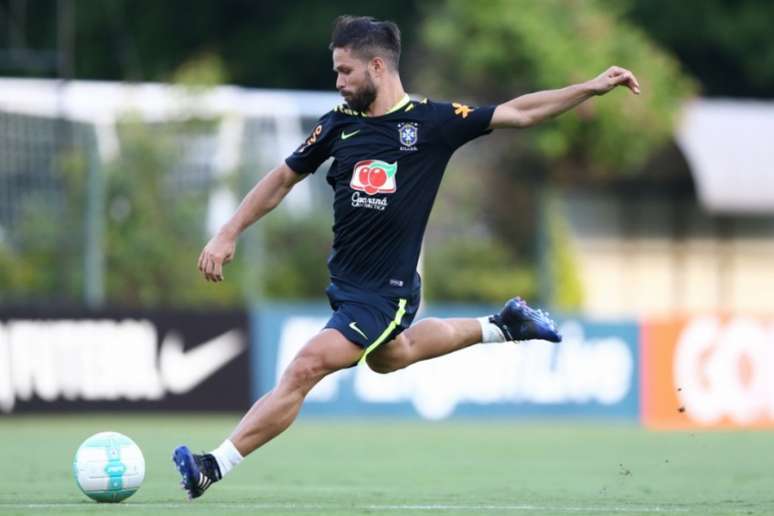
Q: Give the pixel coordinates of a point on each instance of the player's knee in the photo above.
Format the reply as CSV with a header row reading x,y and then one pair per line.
x,y
306,370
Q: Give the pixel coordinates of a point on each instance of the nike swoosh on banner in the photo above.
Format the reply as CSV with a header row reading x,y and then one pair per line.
x,y
344,135
182,371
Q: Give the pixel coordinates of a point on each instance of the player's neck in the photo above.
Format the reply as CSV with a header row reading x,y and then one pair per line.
x,y
389,95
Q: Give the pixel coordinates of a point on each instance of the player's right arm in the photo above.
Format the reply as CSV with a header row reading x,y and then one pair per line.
x,y
264,197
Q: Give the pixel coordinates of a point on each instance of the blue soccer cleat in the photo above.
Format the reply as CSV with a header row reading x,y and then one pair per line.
x,y
198,472
518,321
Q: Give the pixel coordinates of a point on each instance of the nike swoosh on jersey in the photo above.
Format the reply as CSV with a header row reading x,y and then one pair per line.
x,y
182,371
353,325
345,135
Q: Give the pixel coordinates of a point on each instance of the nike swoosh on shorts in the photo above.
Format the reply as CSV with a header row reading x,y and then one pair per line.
x,y
353,325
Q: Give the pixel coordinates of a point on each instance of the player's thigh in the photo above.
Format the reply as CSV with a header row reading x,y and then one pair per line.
x,y
328,351
391,355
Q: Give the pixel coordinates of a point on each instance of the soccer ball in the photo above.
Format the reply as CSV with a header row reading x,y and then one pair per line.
x,y
109,467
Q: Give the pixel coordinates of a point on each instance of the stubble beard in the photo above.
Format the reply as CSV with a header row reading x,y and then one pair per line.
x,y
362,99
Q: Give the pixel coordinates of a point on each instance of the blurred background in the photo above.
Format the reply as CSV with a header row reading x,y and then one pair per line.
x,y
130,130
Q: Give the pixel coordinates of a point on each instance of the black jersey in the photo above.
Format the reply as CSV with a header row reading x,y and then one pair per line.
x,y
385,176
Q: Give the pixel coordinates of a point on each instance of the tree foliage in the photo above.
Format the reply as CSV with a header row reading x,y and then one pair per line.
x,y
263,44
464,259
516,46
726,44
154,226
486,51
41,257
489,52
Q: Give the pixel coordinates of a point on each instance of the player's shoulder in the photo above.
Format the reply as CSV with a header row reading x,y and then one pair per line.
x,y
443,109
422,108
420,105
340,114
329,122
343,111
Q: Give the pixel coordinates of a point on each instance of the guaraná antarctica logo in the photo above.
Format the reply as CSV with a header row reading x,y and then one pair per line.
x,y
373,176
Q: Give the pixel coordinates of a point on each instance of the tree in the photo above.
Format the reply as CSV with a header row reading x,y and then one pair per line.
x,y
495,50
726,44
264,44
512,47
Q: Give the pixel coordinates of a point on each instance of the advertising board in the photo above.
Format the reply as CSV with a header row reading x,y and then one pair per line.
x,y
708,371
77,360
594,372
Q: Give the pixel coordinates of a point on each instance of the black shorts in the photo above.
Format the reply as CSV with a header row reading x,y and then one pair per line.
x,y
368,319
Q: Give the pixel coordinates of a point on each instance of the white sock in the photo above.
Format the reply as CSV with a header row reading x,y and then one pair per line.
x,y
227,456
489,331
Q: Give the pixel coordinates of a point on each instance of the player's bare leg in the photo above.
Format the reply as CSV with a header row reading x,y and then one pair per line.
x,y
429,338
325,353
432,337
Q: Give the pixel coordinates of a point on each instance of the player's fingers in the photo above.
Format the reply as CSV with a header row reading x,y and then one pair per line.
x,y
616,71
621,77
216,271
631,83
626,78
203,265
209,267
635,84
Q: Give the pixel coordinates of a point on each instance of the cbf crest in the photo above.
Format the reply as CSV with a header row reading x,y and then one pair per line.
x,y
409,135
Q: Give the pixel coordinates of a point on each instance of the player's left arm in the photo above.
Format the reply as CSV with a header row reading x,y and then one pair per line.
x,y
533,108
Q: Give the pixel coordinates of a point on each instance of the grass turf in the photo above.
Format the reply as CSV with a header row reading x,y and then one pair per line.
x,y
400,468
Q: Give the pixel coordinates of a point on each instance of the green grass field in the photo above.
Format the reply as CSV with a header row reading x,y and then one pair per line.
x,y
401,468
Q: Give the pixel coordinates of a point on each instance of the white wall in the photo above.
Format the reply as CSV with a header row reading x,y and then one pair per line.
x,y
643,257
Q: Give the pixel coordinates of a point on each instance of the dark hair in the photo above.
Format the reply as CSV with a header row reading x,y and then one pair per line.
x,y
367,37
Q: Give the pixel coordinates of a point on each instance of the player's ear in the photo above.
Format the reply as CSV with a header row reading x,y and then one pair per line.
x,y
377,66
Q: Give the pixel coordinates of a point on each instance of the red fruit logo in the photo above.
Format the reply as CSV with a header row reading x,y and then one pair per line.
x,y
373,176
362,175
377,177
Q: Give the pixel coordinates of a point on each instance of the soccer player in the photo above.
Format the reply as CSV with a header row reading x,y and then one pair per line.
x,y
390,153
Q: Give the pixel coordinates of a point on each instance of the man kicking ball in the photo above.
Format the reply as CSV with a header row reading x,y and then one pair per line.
x,y
390,154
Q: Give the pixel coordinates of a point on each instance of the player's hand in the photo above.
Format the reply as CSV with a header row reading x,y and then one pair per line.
x,y
612,77
218,252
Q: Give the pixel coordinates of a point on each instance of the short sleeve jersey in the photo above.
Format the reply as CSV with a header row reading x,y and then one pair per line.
x,y
385,176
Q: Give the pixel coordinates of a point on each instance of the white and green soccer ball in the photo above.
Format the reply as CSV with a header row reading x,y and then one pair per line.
x,y
109,467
